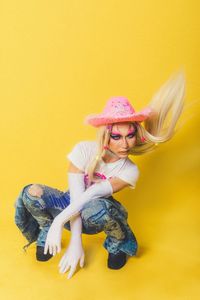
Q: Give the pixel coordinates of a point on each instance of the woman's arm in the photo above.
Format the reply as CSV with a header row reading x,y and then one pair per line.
x,y
118,184
74,253
97,190
103,188
76,222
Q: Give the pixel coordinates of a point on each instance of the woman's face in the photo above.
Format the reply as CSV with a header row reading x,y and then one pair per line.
x,y
122,139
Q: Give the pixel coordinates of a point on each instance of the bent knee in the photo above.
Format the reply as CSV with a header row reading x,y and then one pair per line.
x,y
35,190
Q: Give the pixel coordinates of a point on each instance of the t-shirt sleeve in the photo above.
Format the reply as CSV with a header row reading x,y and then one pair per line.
x,y
130,174
78,156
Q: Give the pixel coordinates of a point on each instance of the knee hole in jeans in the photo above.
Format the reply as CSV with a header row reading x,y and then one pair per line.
x,y
35,190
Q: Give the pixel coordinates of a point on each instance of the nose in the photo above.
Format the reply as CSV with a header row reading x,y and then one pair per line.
x,y
124,144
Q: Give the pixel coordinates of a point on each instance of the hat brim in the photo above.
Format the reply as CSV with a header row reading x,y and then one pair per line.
x,y
97,120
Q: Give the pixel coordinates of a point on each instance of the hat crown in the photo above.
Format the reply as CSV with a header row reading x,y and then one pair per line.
x,y
118,106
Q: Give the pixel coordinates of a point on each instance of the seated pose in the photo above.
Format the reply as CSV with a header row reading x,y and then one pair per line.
x,y
97,170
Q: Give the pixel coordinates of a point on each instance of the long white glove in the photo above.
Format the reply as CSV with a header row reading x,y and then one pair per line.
x,y
75,251
97,190
76,187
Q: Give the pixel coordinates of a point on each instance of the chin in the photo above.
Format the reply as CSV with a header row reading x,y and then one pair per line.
x,y
123,154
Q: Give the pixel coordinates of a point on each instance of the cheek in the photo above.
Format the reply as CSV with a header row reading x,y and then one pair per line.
x,y
113,144
132,141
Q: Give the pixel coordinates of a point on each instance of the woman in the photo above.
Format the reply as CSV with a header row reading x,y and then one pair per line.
x,y
97,170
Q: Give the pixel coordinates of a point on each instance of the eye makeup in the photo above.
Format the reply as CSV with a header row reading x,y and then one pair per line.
x,y
116,135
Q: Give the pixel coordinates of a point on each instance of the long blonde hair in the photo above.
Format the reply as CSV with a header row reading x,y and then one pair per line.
x,y
158,128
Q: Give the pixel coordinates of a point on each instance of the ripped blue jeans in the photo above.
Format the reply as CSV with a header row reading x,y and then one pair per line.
x,y
34,216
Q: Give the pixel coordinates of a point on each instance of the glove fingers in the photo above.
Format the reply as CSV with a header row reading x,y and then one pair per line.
x,y
82,260
62,260
50,249
64,268
58,248
54,250
46,247
63,265
71,272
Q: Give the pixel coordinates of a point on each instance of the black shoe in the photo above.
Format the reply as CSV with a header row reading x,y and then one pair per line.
x,y
116,261
40,254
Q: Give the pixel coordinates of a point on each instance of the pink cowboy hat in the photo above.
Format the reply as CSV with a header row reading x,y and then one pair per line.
x,y
117,109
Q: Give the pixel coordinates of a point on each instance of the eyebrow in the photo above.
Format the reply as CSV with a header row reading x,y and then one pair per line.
x,y
117,133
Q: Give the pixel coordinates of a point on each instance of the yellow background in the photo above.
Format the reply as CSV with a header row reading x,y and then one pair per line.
x,y
61,60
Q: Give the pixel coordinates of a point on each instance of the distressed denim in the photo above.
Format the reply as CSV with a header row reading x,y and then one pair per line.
x,y
34,216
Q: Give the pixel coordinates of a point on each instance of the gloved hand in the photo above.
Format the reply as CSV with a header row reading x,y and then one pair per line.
x,y
70,259
75,251
53,239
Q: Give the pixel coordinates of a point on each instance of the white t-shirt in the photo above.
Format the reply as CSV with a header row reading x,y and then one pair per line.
x,y
83,153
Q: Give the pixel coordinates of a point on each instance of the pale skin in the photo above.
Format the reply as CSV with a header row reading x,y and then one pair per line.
x,y
122,139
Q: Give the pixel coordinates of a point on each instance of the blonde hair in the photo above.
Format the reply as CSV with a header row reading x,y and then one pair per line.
x,y
158,128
